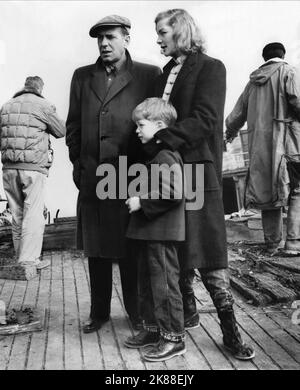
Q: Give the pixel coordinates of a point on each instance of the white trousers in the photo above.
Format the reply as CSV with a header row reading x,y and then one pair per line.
x,y
25,195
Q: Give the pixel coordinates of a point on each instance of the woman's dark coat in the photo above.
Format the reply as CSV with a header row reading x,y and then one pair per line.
x,y
199,96
99,130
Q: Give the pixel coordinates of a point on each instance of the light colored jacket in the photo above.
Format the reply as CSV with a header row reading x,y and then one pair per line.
x,y
270,103
26,122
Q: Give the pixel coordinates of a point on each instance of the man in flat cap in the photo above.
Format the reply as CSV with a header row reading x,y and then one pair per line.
x,y
270,104
100,130
26,123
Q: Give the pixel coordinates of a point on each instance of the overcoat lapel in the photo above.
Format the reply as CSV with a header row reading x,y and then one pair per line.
x,y
186,69
118,84
98,82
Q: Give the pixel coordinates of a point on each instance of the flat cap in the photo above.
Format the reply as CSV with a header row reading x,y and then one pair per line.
x,y
111,20
273,46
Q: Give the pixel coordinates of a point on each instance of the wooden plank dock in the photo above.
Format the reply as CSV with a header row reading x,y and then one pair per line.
x,y
60,295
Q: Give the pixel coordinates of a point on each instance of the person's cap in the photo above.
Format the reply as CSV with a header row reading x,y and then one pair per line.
x,y
273,46
34,82
110,21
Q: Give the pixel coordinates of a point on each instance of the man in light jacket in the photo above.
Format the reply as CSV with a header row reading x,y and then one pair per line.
x,y
270,103
26,122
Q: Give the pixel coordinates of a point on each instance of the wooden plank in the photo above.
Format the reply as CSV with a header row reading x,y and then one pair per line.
x,y
278,334
17,272
194,358
20,349
37,350
73,356
272,287
5,341
16,302
291,264
261,361
207,347
257,298
277,354
55,335
92,356
110,348
284,321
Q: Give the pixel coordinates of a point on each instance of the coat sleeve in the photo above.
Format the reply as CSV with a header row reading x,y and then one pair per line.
x,y
167,189
207,108
238,116
293,91
55,126
73,137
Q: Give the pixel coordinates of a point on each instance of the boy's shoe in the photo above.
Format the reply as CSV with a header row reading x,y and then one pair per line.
x,y
164,350
192,323
142,339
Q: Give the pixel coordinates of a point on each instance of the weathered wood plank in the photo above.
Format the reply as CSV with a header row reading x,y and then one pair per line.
x,y
278,334
257,298
272,287
16,302
92,357
277,354
122,330
193,357
36,354
284,321
17,272
55,335
19,352
290,264
208,348
73,345
5,341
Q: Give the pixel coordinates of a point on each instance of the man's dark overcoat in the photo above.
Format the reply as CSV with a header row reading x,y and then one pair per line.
x,y
99,130
198,95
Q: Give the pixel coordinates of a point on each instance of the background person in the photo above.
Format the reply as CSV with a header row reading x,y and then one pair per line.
x,y
26,122
270,103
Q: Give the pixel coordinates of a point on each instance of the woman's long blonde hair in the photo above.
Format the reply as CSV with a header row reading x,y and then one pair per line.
x,y
186,33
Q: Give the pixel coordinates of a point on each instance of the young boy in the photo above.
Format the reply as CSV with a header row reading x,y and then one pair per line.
x,y
157,224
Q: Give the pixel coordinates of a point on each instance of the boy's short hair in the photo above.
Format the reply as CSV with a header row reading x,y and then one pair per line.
x,y
155,109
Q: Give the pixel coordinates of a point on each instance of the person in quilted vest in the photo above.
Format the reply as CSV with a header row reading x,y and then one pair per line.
x,y
26,122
